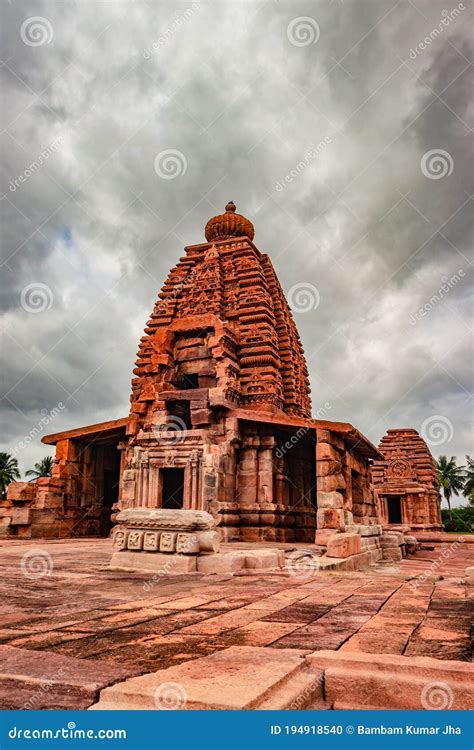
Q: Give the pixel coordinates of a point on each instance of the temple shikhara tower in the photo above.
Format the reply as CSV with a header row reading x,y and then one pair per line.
x,y
220,421
406,482
221,385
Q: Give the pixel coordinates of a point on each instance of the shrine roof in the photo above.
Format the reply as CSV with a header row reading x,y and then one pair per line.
x,y
89,431
351,434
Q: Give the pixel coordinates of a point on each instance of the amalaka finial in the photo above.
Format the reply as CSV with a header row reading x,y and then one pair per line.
x,y
229,224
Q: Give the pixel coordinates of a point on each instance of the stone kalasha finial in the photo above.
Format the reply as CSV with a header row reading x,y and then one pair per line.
x,y
229,224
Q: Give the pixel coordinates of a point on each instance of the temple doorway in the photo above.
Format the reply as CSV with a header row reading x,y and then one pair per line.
x,y
172,489
394,507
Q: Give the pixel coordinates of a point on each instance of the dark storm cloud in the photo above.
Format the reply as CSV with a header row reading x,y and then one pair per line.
x,y
321,144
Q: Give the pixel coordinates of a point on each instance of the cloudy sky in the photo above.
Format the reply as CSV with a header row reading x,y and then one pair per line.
x,y
342,129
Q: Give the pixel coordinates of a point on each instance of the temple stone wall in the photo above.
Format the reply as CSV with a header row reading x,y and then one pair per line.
x,y
344,494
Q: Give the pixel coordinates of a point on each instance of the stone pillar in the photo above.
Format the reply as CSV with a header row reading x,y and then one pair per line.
x,y
247,473
407,506
152,486
194,480
265,471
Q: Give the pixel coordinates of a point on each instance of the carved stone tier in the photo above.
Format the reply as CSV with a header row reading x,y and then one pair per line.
x,y
185,532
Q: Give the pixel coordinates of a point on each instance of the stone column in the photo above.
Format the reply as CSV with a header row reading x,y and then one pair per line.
x,y
151,486
247,473
265,471
194,480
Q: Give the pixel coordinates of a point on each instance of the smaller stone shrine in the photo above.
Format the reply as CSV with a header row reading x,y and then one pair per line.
x,y
406,483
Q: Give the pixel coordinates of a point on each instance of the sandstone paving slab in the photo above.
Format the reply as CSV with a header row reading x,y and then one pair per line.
x,y
300,612
236,678
389,642
256,633
139,622
318,636
223,622
445,649
47,640
117,621
150,656
116,638
55,681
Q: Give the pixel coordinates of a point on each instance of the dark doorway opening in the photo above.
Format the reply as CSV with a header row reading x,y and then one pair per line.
x,y
110,460
173,489
394,510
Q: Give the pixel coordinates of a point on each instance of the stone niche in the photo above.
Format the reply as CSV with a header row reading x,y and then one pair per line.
x,y
165,541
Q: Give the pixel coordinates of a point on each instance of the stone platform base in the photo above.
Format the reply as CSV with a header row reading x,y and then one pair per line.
x,y
290,559
250,677
220,562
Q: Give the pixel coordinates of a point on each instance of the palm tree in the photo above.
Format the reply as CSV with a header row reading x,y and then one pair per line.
x,y
8,472
451,478
42,468
469,480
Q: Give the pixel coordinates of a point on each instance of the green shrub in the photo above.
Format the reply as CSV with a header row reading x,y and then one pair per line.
x,y
461,519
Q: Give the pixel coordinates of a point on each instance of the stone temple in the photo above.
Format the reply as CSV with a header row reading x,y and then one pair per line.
x,y
406,483
220,421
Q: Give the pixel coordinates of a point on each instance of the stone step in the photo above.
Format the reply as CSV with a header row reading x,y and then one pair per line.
x,y
392,682
44,680
239,677
252,677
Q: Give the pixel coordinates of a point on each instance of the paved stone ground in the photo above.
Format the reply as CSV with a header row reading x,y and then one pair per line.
x,y
59,598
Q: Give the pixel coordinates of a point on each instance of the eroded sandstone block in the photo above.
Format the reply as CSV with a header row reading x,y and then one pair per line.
x,y
330,518
344,545
330,500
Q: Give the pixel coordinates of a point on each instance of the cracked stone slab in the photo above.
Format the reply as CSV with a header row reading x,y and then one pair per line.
x,y
52,681
239,677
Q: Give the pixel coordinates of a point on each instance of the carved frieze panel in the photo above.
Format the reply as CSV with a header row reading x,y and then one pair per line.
x,y
151,541
135,540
